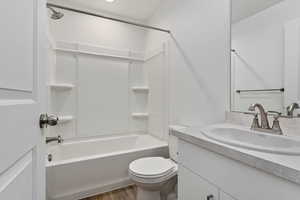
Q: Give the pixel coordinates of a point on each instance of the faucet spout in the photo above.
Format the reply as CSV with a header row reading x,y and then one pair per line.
x,y
263,115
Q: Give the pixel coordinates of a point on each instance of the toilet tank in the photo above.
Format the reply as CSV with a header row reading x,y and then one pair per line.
x,y
173,142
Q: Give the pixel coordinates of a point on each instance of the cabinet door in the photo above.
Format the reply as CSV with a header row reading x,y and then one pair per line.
x,y
193,187
224,196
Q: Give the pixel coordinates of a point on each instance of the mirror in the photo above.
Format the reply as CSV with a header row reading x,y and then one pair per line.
x,y
265,54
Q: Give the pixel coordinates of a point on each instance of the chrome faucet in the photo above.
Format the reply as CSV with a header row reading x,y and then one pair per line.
x,y
264,125
291,108
59,139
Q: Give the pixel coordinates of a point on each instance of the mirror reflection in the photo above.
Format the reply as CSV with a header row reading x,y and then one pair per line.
x,y
265,57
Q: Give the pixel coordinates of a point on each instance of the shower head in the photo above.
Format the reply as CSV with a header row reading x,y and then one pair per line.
x,y
55,14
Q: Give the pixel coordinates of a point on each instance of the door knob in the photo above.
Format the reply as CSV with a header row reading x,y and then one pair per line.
x,y
46,120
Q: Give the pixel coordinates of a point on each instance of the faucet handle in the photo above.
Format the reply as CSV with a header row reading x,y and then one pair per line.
x,y
290,109
276,125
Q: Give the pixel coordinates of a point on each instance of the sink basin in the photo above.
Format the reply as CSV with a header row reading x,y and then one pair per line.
x,y
245,138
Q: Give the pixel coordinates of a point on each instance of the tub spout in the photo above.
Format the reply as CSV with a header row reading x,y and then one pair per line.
x,y
59,139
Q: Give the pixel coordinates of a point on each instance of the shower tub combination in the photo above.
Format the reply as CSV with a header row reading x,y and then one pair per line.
x,y
81,169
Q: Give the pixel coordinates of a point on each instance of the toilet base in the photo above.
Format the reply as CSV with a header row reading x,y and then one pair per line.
x,y
153,195
147,195
163,191
172,196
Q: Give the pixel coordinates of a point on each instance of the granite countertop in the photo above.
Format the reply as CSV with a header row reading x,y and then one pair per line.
x,y
284,166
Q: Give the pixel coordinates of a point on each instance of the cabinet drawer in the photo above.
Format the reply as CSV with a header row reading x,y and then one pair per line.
x,y
193,187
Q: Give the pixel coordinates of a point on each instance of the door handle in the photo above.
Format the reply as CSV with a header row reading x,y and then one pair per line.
x,y
46,120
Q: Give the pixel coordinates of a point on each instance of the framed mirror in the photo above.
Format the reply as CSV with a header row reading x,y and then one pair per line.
x,y
265,54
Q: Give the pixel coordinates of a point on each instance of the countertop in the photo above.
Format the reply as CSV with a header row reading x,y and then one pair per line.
x,y
284,166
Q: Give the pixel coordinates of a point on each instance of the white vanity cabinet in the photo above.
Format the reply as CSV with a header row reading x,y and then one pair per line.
x,y
203,173
194,187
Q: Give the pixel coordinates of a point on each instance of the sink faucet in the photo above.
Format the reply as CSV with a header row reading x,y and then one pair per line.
x,y
263,115
59,139
264,126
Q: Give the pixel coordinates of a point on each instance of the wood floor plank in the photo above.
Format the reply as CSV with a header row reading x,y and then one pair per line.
x,y
128,193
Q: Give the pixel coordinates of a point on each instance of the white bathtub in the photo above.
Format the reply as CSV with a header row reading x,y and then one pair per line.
x,y
85,168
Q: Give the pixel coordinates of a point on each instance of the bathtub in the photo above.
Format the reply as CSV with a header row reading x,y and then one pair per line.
x,y
85,168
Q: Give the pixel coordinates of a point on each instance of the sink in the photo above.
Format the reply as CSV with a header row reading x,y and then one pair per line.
x,y
245,138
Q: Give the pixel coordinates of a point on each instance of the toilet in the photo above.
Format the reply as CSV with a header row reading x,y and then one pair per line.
x,y
156,177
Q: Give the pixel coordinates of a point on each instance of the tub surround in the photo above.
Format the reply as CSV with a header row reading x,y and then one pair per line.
x,y
77,71
286,167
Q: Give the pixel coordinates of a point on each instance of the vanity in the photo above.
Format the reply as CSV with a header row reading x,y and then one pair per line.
x,y
230,168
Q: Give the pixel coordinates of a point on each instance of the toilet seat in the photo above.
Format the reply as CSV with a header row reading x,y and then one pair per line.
x,y
152,170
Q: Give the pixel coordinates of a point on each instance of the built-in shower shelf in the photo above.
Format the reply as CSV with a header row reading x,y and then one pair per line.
x,y
65,119
140,115
140,89
61,86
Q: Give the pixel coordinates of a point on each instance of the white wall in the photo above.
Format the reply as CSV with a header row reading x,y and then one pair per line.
x,y
198,58
245,8
86,29
259,62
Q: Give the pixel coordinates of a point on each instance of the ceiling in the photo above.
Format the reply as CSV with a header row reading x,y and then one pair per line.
x,y
139,10
245,8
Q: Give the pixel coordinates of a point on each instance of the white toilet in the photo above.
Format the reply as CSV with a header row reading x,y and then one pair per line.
x,y
156,177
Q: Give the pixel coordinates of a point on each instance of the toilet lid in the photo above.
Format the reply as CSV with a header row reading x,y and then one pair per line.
x,y
152,167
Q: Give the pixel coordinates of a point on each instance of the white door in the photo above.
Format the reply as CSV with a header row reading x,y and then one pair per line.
x,y
22,63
